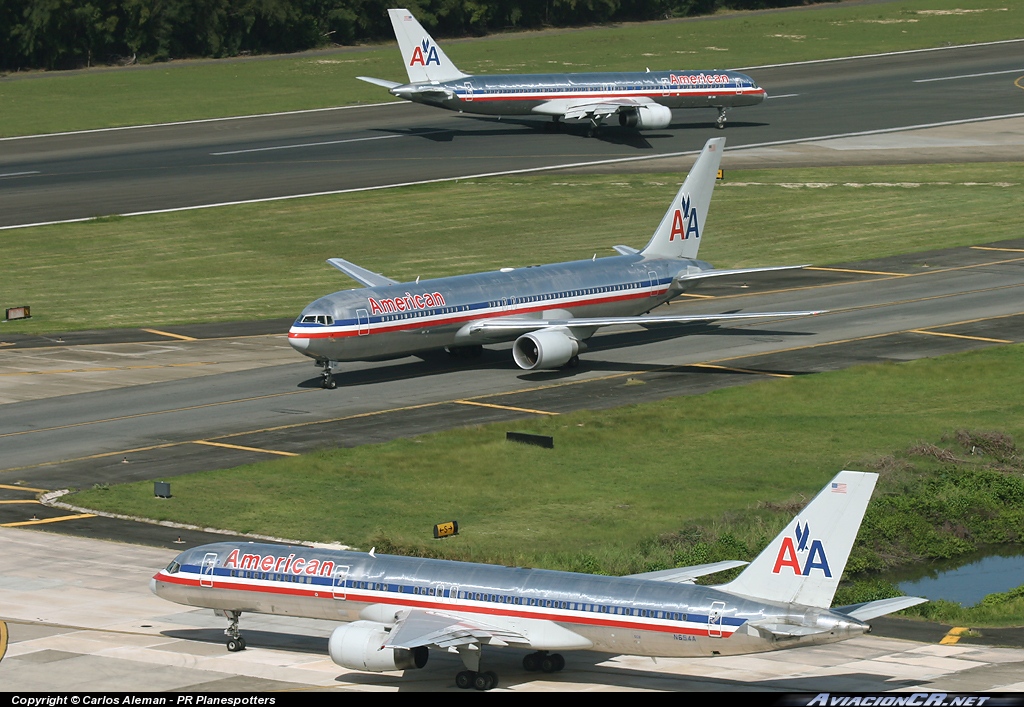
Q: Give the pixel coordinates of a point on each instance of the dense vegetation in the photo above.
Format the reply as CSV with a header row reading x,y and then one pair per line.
x,y
67,34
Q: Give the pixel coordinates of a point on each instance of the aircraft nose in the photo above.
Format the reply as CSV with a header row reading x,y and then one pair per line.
x,y
152,584
299,343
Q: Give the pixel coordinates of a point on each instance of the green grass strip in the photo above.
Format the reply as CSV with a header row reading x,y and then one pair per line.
x,y
261,261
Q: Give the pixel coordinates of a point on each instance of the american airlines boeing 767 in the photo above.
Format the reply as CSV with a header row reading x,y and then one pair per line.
x,y
397,609
642,100
549,311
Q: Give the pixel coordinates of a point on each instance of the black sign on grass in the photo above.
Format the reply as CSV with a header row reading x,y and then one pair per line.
x,y
535,440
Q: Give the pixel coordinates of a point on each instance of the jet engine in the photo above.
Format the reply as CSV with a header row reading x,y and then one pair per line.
x,y
546,348
357,646
646,117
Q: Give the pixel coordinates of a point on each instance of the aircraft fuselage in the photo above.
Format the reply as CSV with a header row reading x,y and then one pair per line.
x,y
522,94
397,320
549,610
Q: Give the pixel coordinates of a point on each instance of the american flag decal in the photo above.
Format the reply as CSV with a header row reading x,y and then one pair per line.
x,y
838,488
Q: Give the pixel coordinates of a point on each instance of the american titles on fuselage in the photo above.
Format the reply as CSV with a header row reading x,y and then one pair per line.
x,y
387,305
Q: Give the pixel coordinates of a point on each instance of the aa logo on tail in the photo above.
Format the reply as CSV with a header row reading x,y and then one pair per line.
x,y
684,222
790,553
425,54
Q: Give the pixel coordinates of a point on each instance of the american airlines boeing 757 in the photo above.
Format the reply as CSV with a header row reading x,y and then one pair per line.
x,y
549,311
399,608
642,100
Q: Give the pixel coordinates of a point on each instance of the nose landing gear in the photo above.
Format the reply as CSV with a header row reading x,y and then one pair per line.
x,y
720,121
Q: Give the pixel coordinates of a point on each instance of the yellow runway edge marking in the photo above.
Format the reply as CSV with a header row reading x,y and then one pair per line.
x,y
182,337
953,635
859,272
245,449
1004,250
26,500
22,488
960,336
503,407
47,520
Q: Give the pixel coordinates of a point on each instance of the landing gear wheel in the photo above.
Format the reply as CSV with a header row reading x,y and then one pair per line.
x,y
552,663
465,679
573,362
236,644
531,662
485,681
329,383
720,122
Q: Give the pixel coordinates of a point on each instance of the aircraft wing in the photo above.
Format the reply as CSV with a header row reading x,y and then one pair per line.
x,y
361,275
431,628
379,82
506,325
704,274
584,109
686,575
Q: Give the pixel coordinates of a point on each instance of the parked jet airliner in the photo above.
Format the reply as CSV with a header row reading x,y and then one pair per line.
x,y
400,607
641,100
549,310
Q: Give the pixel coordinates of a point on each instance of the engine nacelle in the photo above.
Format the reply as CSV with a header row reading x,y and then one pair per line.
x,y
357,646
543,349
647,117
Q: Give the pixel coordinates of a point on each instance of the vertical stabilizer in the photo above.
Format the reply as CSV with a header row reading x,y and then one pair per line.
x,y
678,235
804,563
424,60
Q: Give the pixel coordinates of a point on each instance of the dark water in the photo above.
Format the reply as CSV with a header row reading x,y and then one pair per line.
x,y
966,580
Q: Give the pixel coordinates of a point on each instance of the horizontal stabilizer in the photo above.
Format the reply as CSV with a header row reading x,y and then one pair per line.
x,y
363,276
874,609
379,82
686,575
625,250
705,274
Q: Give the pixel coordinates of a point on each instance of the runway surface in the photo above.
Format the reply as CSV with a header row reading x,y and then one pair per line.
x,y
81,619
49,178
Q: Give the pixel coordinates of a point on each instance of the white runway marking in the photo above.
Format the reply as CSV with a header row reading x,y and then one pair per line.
x,y
307,144
529,170
785,95
970,76
19,174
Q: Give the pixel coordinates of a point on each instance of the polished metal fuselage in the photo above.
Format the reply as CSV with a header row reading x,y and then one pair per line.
x,y
388,322
521,94
550,610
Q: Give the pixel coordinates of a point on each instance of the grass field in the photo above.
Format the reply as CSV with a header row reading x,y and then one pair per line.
x,y
43,103
266,260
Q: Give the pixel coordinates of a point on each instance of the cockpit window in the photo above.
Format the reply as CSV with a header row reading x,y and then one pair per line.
x,y
173,567
321,319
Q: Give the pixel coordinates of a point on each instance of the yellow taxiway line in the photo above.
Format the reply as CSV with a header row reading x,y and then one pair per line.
x,y
960,336
181,337
503,407
40,521
740,370
24,500
953,636
245,449
1004,250
22,488
3,639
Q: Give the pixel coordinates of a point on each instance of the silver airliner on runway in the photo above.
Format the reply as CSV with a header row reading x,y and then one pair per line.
x,y
549,310
400,607
640,99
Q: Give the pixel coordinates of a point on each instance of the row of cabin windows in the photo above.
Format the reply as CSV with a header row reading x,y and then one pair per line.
x,y
471,596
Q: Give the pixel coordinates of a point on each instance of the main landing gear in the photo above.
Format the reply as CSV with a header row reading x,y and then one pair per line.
x,y
543,661
472,677
235,641
720,121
